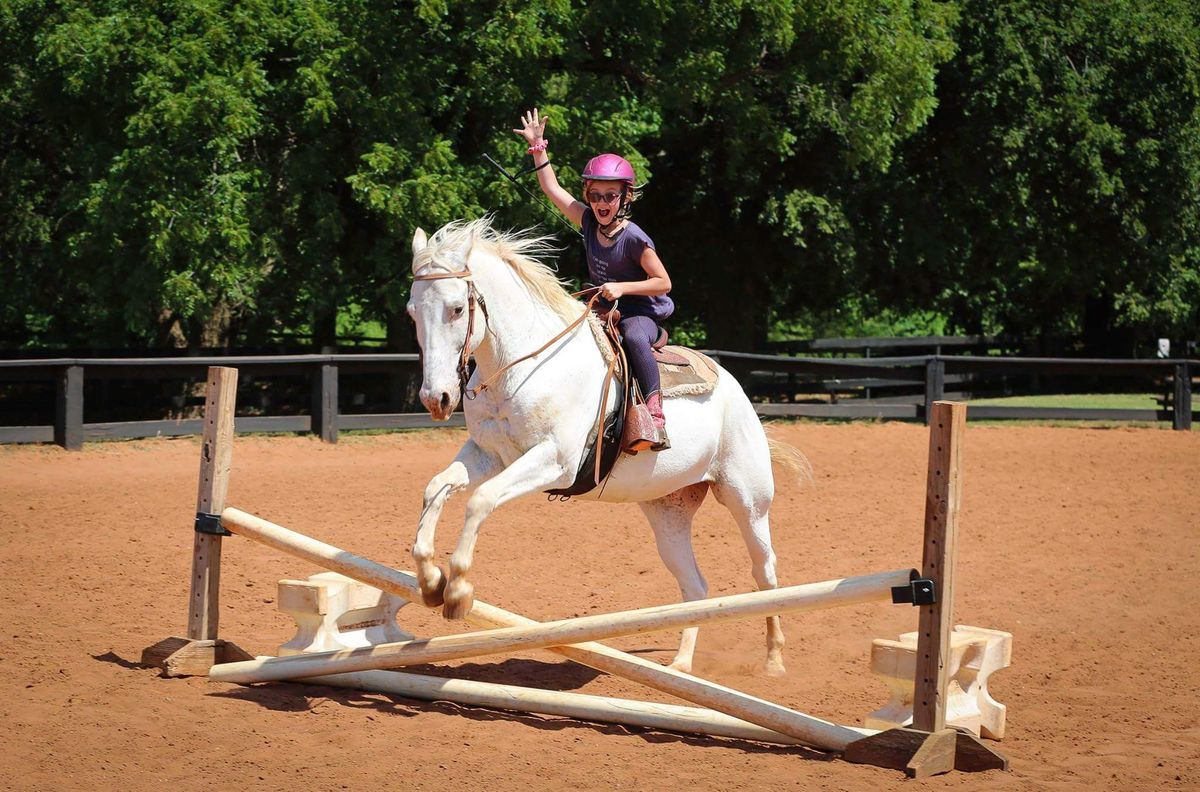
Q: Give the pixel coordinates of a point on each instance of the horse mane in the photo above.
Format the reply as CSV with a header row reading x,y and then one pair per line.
x,y
522,250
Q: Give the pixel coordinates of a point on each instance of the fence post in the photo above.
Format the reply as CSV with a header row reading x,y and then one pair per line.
x,y
1182,413
935,384
68,408
325,402
867,391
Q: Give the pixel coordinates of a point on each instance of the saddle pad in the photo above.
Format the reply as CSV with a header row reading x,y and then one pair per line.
x,y
696,377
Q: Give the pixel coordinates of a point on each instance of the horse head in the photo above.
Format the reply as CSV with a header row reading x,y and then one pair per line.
x,y
444,306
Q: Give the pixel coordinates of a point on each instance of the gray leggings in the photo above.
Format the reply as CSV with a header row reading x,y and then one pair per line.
x,y
637,334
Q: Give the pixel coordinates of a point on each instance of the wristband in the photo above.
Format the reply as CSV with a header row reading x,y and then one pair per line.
x,y
536,147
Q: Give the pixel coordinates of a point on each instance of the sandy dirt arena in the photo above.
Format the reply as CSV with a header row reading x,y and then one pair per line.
x,y
1081,542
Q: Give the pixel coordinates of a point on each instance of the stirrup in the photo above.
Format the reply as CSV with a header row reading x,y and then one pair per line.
x,y
640,445
664,442
639,432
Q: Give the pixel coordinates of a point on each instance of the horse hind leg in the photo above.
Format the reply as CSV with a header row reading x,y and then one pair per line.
x,y
671,519
749,503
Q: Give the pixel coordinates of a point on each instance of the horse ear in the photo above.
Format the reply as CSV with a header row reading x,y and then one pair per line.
x,y
419,243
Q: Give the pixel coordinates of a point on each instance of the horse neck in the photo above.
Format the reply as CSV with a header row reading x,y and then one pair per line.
x,y
518,324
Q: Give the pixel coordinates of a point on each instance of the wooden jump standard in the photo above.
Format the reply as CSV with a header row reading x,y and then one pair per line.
x,y
925,749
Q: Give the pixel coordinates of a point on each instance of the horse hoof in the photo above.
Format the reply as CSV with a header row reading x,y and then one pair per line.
x,y
774,668
460,597
433,588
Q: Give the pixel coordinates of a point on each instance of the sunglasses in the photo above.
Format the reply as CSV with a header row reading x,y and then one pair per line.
x,y
608,197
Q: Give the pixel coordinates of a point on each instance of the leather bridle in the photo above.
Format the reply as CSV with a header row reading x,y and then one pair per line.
x,y
473,297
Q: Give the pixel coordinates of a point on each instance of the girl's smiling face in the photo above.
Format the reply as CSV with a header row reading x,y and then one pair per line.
x,y
604,198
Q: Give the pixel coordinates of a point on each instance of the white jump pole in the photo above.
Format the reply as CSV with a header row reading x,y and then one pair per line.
x,y
810,730
809,596
791,599
666,717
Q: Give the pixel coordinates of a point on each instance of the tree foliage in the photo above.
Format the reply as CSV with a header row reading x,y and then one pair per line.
x,y
204,172
1057,187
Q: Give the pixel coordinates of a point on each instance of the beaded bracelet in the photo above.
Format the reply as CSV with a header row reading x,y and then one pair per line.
x,y
536,147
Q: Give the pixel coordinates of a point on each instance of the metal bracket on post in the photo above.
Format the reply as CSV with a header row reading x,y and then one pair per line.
x,y
211,524
919,591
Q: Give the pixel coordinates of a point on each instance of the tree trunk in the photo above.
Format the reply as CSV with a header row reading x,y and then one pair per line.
x,y
170,331
325,332
1098,337
214,334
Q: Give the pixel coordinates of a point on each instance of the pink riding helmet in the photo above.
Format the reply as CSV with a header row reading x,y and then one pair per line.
x,y
609,167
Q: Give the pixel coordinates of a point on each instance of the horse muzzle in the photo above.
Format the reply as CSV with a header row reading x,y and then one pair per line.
x,y
439,402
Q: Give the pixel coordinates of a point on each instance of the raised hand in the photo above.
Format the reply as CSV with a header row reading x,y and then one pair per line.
x,y
534,127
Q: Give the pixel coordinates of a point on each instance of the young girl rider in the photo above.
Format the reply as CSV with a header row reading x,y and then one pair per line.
x,y
621,257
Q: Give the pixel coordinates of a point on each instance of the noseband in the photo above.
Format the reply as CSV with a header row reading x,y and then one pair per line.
x,y
473,297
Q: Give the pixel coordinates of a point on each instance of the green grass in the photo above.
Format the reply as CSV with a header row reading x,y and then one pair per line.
x,y
1116,401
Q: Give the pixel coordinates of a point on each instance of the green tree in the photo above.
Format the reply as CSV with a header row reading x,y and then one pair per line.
x,y
126,140
204,170
752,121
1057,188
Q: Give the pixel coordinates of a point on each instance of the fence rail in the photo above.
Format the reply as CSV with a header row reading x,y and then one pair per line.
x,y
871,346
934,372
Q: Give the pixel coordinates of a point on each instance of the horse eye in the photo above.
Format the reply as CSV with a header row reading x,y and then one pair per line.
x,y
458,312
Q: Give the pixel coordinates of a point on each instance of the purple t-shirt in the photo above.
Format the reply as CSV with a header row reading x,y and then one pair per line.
x,y
622,261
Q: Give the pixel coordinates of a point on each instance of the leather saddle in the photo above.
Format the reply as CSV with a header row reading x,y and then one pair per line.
x,y
662,354
629,424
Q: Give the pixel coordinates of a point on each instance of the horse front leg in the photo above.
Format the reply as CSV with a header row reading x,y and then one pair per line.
x,y
471,466
536,470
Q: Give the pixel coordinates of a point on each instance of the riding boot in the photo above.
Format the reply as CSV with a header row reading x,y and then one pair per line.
x,y
654,404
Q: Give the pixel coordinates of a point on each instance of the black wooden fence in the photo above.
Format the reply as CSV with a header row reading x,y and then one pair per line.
x,y
790,375
773,376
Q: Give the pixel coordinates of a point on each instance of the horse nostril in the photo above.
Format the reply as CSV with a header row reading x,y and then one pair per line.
x,y
445,400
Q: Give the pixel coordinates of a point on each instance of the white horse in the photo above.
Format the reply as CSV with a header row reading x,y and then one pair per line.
x,y
484,292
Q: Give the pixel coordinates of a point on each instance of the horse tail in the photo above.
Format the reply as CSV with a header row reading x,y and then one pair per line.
x,y
791,459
